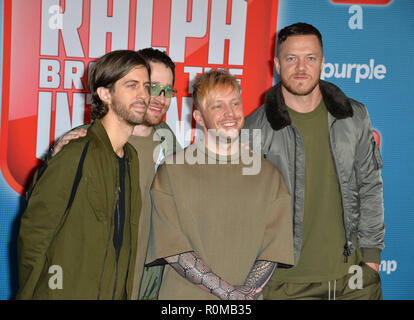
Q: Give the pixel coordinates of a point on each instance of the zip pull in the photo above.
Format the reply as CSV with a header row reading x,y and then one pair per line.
x,y
346,252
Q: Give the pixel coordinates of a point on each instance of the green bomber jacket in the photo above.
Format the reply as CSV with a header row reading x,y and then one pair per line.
x,y
79,240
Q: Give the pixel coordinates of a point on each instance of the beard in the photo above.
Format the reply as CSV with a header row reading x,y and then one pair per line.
x,y
152,119
298,90
125,113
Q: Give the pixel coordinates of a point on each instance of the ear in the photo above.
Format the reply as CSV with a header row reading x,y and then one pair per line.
x,y
104,94
198,117
277,64
323,61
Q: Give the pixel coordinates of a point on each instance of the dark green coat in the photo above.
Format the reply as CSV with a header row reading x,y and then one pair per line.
x,y
80,240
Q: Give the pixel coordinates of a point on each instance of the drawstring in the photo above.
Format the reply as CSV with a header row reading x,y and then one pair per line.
x,y
329,290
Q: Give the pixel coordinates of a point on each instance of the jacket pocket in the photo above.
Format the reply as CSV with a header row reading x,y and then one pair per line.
x,y
370,276
376,155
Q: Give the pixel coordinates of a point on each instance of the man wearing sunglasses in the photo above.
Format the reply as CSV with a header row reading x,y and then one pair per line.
x,y
153,140
146,140
162,90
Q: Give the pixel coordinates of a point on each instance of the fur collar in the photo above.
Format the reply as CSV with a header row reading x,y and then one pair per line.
x,y
336,102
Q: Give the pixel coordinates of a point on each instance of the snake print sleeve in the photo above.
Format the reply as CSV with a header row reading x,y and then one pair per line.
x,y
191,267
259,276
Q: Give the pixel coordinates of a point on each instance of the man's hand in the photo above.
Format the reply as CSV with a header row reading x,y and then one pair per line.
x,y
64,140
373,265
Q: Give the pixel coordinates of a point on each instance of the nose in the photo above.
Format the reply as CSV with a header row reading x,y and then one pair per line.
x,y
160,98
229,111
143,93
300,65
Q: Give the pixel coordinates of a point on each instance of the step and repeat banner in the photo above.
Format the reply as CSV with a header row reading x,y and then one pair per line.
x,y
47,46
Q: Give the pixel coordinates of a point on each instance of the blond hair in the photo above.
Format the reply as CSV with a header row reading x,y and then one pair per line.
x,y
212,80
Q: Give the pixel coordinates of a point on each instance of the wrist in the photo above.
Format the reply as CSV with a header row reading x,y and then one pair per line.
x,y
222,289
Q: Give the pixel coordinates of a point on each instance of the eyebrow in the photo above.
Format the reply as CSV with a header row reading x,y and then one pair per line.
x,y
135,81
295,54
221,100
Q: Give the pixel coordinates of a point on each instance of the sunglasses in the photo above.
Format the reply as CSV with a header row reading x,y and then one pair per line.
x,y
156,90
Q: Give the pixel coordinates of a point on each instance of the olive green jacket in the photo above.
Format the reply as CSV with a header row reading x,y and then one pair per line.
x,y
78,241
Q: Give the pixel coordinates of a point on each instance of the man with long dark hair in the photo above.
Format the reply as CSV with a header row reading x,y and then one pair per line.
x,y
153,139
83,212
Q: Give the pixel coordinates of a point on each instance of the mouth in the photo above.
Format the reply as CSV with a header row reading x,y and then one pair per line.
x,y
229,124
154,108
301,77
139,107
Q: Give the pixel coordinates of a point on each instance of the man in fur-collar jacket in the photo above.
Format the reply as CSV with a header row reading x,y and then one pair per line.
x,y
322,143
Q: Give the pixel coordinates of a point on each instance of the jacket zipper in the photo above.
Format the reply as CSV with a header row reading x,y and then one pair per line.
x,y
294,186
294,174
117,257
347,250
118,229
116,278
115,203
130,223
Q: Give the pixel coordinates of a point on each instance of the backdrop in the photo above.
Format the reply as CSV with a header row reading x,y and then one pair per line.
x,y
46,48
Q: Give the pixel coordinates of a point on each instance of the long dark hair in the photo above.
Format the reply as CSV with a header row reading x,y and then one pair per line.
x,y
106,71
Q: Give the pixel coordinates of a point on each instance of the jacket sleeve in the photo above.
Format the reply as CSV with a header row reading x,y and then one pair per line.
x,y
169,142
167,237
38,174
368,166
278,236
151,282
43,165
42,218
259,138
